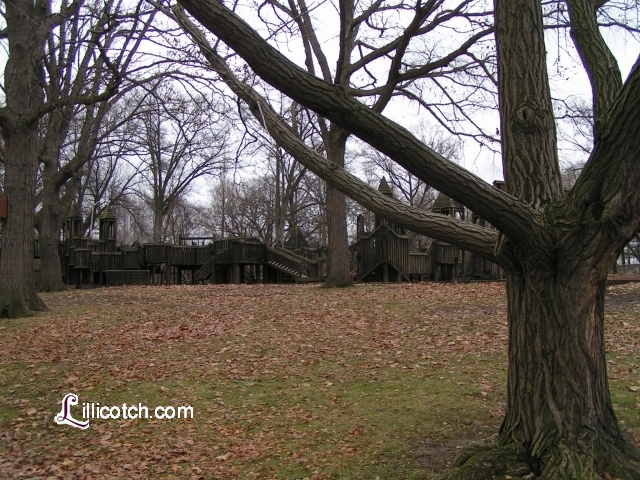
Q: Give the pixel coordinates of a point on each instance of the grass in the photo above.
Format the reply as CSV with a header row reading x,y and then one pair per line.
x,y
370,382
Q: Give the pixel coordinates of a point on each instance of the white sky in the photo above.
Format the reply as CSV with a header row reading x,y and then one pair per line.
x,y
482,162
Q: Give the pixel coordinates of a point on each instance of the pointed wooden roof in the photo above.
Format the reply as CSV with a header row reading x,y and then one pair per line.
x,y
296,240
107,214
75,212
385,188
445,203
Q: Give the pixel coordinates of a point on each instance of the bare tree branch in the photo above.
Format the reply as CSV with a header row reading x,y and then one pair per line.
x,y
510,215
468,236
599,62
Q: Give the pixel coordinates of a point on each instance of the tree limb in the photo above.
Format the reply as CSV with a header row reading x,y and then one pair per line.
x,y
463,234
514,218
599,62
607,189
527,124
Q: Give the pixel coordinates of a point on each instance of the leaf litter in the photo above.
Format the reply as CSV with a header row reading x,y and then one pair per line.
x,y
286,381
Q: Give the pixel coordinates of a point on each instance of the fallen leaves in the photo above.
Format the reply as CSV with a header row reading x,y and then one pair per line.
x,y
286,381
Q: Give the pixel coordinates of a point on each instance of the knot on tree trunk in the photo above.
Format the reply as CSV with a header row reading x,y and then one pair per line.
x,y
530,118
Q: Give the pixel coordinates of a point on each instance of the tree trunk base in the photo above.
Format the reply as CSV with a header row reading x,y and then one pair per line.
x,y
13,304
562,461
337,281
50,286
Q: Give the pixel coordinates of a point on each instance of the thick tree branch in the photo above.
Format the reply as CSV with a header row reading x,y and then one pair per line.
x,y
599,62
511,216
463,234
53,20
607,190
89,99
7,120
527,124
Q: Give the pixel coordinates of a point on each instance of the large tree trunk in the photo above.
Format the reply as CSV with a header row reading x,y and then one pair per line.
x,y
19,129
48,223
559,422
17,288
558,402
157,222
49,235
339,274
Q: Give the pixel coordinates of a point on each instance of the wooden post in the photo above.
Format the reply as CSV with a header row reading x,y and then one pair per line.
x,y
4,206
359,226
464,266
385,272
236,273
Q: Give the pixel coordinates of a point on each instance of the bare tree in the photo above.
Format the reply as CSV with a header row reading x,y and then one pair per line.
x,y
249,207
28,28
180,139
555,248
103,40
367,43
244,209
293,196
108,178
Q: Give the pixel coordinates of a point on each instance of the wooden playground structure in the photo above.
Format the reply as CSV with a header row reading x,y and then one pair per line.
x,y
384,254
381,255
88,262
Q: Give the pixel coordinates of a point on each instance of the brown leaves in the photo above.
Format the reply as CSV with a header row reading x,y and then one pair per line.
x,y
286,381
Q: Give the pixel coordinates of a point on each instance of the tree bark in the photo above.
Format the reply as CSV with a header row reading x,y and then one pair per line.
x,y
339,274
560,423
49,220
18,295
527,124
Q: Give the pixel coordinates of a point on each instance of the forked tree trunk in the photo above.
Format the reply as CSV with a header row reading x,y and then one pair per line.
x,y
18,296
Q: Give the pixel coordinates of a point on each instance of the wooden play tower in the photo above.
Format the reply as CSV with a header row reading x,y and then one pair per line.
x,y
383,254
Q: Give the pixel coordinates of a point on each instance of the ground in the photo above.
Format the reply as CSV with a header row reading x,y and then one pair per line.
x,y
370,382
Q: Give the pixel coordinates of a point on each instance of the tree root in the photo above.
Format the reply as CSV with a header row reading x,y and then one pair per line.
x,y
561,461
486,464
566,462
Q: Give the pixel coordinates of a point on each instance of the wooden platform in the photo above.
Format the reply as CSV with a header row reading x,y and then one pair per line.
x,y
127,277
